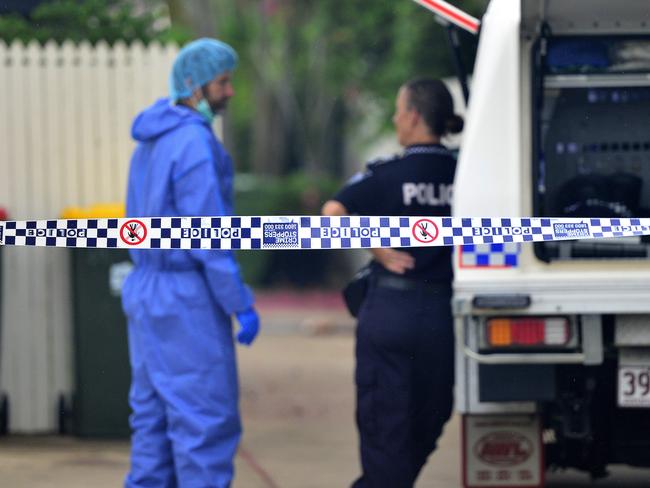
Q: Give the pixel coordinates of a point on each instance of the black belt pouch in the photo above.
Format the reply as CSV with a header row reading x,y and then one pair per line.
x,y
355,291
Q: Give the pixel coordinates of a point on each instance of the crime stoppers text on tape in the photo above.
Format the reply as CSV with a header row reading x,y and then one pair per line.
x,y
309,232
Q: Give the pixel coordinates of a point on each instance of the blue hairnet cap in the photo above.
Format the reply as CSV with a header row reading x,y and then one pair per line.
x,y
198,63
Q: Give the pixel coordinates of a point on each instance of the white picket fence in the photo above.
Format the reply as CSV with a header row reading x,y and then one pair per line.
x,y
65,117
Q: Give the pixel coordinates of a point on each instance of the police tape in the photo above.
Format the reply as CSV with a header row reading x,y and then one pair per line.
x,y
309,232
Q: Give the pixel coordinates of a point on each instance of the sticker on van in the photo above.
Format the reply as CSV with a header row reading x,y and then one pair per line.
x,y
487,256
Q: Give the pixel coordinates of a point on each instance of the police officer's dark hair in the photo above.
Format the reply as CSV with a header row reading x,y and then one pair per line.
x,y
432,100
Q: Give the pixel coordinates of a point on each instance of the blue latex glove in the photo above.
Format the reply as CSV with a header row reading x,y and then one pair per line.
x,y
249,326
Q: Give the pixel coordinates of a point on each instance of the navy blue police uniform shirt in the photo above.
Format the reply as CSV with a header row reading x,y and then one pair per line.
x,y
418,182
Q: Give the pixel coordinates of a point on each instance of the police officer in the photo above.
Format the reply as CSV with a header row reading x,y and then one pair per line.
x,y
404,344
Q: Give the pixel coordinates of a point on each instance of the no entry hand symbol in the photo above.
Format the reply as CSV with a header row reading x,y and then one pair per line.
x,y
425,231
133,232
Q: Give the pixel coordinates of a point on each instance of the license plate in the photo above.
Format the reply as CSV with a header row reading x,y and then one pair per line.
x,y
633,386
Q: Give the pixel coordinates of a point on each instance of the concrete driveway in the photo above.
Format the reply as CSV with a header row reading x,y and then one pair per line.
x,y
297,404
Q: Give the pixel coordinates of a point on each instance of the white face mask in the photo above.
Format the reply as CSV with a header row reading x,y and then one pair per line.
x,y
203,107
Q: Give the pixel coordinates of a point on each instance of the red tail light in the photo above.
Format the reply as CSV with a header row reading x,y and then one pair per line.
x,y
527,332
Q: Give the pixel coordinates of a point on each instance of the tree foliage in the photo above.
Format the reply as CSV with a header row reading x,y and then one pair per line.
x,y
310,69
92,20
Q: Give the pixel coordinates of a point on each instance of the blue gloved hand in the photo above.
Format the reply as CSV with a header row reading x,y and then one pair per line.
x,y
249,326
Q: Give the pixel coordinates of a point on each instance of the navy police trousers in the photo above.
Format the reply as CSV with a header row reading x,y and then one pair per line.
x,y
404,377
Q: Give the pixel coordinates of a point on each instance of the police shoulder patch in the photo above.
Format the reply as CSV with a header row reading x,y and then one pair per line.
x,y
359,176
374,163
371,166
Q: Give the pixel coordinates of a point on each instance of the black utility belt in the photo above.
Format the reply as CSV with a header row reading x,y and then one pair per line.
x,y
400,283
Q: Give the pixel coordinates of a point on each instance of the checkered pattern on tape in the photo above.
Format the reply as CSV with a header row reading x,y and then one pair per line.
x,y
100,233
242,233
467,231
354,232
495,230
314,232
605,227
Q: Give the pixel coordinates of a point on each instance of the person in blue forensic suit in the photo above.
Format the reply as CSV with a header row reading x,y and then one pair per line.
x,y
179,303
404,344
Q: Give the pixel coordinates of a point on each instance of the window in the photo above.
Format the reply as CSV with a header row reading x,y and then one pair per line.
x,y
592,156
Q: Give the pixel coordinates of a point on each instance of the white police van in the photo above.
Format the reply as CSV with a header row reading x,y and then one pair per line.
x,y
553,339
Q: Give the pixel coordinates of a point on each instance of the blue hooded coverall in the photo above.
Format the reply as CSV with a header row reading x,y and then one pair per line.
x,y
184,391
